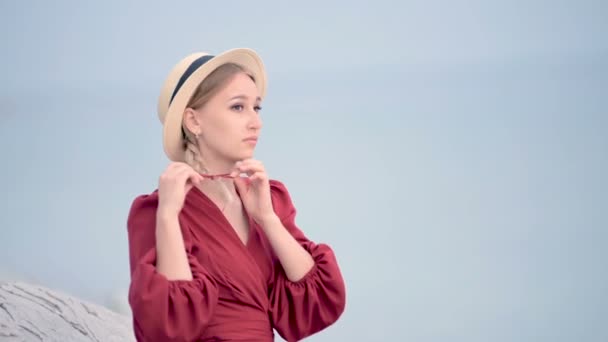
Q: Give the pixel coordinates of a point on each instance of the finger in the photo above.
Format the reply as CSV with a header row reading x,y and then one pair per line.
x,y
186,174
251,167
184,166
197,177
251,161
174,170
171,172
192,180
179,167
242,183
175,165
248,161
235,171
240,167
258,176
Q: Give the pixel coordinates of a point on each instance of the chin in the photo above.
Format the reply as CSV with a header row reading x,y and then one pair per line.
x,y
244,155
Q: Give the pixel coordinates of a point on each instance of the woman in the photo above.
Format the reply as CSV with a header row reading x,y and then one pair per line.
x,y
215,253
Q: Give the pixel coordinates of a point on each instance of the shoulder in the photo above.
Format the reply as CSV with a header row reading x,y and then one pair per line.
x,y
279,191
277,187
143,208
281,199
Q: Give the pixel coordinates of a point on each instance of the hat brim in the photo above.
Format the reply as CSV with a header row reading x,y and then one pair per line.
x,y
172,128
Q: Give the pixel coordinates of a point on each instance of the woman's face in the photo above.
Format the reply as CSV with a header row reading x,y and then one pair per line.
x,y
229,123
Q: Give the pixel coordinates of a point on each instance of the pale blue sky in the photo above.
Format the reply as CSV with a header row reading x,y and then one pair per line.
x,y
453,154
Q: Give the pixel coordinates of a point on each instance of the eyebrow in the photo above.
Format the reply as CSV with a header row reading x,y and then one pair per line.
x,y
243,97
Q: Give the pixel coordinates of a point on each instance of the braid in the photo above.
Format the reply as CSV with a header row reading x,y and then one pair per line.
x,y
192,153
193,158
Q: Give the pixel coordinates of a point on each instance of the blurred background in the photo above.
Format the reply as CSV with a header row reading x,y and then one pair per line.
x,y
454,154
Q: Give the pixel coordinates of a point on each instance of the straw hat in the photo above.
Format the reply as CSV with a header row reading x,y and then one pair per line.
x,y
182,82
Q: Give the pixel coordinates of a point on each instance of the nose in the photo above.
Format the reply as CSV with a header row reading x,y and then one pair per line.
x,y
255,123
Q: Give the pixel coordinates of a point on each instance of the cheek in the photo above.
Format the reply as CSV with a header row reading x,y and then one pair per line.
x,y
216,125
224,132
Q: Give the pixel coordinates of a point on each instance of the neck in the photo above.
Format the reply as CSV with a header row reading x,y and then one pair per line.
x,y
221,190
215,164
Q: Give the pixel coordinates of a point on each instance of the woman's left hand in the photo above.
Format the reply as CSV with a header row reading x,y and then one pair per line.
x,y
254,189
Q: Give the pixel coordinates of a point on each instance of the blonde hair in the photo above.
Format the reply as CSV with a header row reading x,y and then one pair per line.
x,y
205,91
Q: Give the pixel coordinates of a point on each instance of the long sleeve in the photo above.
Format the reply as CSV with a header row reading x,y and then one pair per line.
x,y
300,309
164,310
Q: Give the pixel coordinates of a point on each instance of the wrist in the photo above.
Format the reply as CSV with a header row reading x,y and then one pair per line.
x,y
268,220
166,214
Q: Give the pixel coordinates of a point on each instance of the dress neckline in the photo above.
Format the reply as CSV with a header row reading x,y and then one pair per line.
x,y
216,208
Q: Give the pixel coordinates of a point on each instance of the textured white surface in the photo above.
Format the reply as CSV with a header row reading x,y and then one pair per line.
x,y
35,313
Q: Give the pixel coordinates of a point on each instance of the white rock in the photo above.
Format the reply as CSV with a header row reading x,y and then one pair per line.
x,y
34,313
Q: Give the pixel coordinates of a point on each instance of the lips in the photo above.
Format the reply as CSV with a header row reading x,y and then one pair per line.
x,y
251,139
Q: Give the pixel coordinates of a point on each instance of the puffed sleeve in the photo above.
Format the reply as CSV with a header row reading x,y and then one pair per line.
x,y
311,304
164,310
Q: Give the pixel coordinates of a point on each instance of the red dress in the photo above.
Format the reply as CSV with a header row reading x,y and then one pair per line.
x,y
239,292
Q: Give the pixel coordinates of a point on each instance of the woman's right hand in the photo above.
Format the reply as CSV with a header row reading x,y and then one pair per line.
x,y
173,185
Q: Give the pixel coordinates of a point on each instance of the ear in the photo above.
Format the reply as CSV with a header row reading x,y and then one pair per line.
x,y
192,120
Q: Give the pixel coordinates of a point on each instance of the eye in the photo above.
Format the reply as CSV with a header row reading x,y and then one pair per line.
x,y
237,107
257,108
